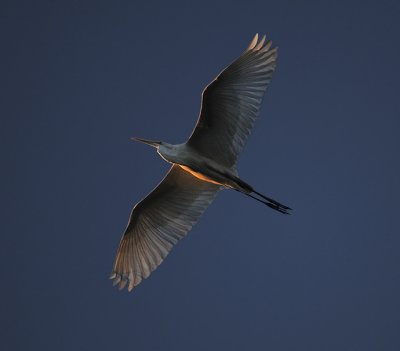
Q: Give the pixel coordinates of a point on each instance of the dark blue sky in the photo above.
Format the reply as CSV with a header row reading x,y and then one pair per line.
x,y
79,78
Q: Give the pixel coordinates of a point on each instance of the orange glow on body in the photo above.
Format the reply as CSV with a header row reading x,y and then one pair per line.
x,y
199,175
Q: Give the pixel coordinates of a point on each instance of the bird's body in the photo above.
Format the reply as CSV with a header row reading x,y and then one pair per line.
x,y
202,166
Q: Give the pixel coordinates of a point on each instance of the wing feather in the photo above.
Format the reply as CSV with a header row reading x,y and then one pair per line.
x,y
232,103
158,222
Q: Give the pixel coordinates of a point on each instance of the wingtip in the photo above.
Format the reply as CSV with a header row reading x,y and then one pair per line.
x,y
252,43
260,43
124,280
122,284
116,280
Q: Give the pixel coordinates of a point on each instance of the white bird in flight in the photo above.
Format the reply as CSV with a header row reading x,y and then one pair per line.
x,y
201,166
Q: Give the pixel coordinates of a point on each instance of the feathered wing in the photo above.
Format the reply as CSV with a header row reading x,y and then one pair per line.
x,y
232,102
158,222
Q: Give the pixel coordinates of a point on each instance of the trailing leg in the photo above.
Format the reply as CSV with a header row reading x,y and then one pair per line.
x,y
268,201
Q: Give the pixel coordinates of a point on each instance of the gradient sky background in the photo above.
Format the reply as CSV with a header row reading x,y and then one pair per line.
x,y
79,78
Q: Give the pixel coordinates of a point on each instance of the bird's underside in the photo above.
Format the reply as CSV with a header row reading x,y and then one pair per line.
x,y
229,180
230,105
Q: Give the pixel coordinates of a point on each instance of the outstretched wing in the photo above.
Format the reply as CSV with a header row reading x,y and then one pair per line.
x,y
158,222
232,102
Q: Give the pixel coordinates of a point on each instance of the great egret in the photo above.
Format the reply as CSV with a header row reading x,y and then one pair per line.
x,y
201,166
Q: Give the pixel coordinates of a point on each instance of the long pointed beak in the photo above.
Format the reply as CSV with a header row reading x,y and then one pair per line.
x,y
148,142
